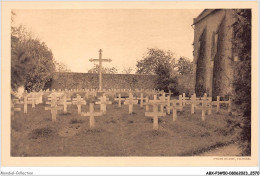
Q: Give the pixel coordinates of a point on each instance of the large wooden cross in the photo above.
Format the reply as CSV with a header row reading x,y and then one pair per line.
x,y
131,101
155,114
100,60
91,115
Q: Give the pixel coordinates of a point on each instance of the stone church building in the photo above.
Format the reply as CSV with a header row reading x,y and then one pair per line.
x,y
213,52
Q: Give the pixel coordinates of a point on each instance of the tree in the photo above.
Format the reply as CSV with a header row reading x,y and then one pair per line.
x,y
184,69
242,74
164,80
31,61
39,75
105,70
153,59
161,63
19,63
127,70
184,66
61,67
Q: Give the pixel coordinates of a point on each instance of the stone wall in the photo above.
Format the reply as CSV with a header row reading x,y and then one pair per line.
x,y
110,81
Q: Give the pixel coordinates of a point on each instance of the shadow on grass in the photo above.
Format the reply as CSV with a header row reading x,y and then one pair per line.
x,y
74,121
94,131
41,133
206,149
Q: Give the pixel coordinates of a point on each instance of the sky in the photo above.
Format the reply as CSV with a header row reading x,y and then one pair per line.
x,y
75,36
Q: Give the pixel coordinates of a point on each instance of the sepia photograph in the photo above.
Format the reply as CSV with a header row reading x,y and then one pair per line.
x,y
130,82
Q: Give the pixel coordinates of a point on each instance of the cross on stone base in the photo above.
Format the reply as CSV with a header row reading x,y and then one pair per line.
x,y
155,114
100,60
91,115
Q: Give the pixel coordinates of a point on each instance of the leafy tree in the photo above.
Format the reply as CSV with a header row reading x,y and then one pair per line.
x,y
105,70
61,67
19,63
242,74
31,61
153,59
160,63
127,70
184,66
42,66
164,80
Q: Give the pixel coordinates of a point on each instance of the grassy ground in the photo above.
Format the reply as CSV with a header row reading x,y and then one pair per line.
x,y
117,133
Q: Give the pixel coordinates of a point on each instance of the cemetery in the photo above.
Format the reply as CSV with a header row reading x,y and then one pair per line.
x,y
80,123
169,107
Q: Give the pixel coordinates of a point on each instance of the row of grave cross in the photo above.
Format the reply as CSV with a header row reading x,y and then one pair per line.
x,y
172,105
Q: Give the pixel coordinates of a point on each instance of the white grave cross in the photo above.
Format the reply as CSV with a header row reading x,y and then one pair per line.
x,y
131,101
103,103
54,108
78,101
119,99
155,114
91,115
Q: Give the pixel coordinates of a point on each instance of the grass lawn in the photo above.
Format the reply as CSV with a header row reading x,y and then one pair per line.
x,y
117,133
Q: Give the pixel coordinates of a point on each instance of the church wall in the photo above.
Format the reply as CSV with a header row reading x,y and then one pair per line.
x,y
212,23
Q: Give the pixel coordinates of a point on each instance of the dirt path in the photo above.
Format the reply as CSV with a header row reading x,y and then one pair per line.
x,y
230,150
